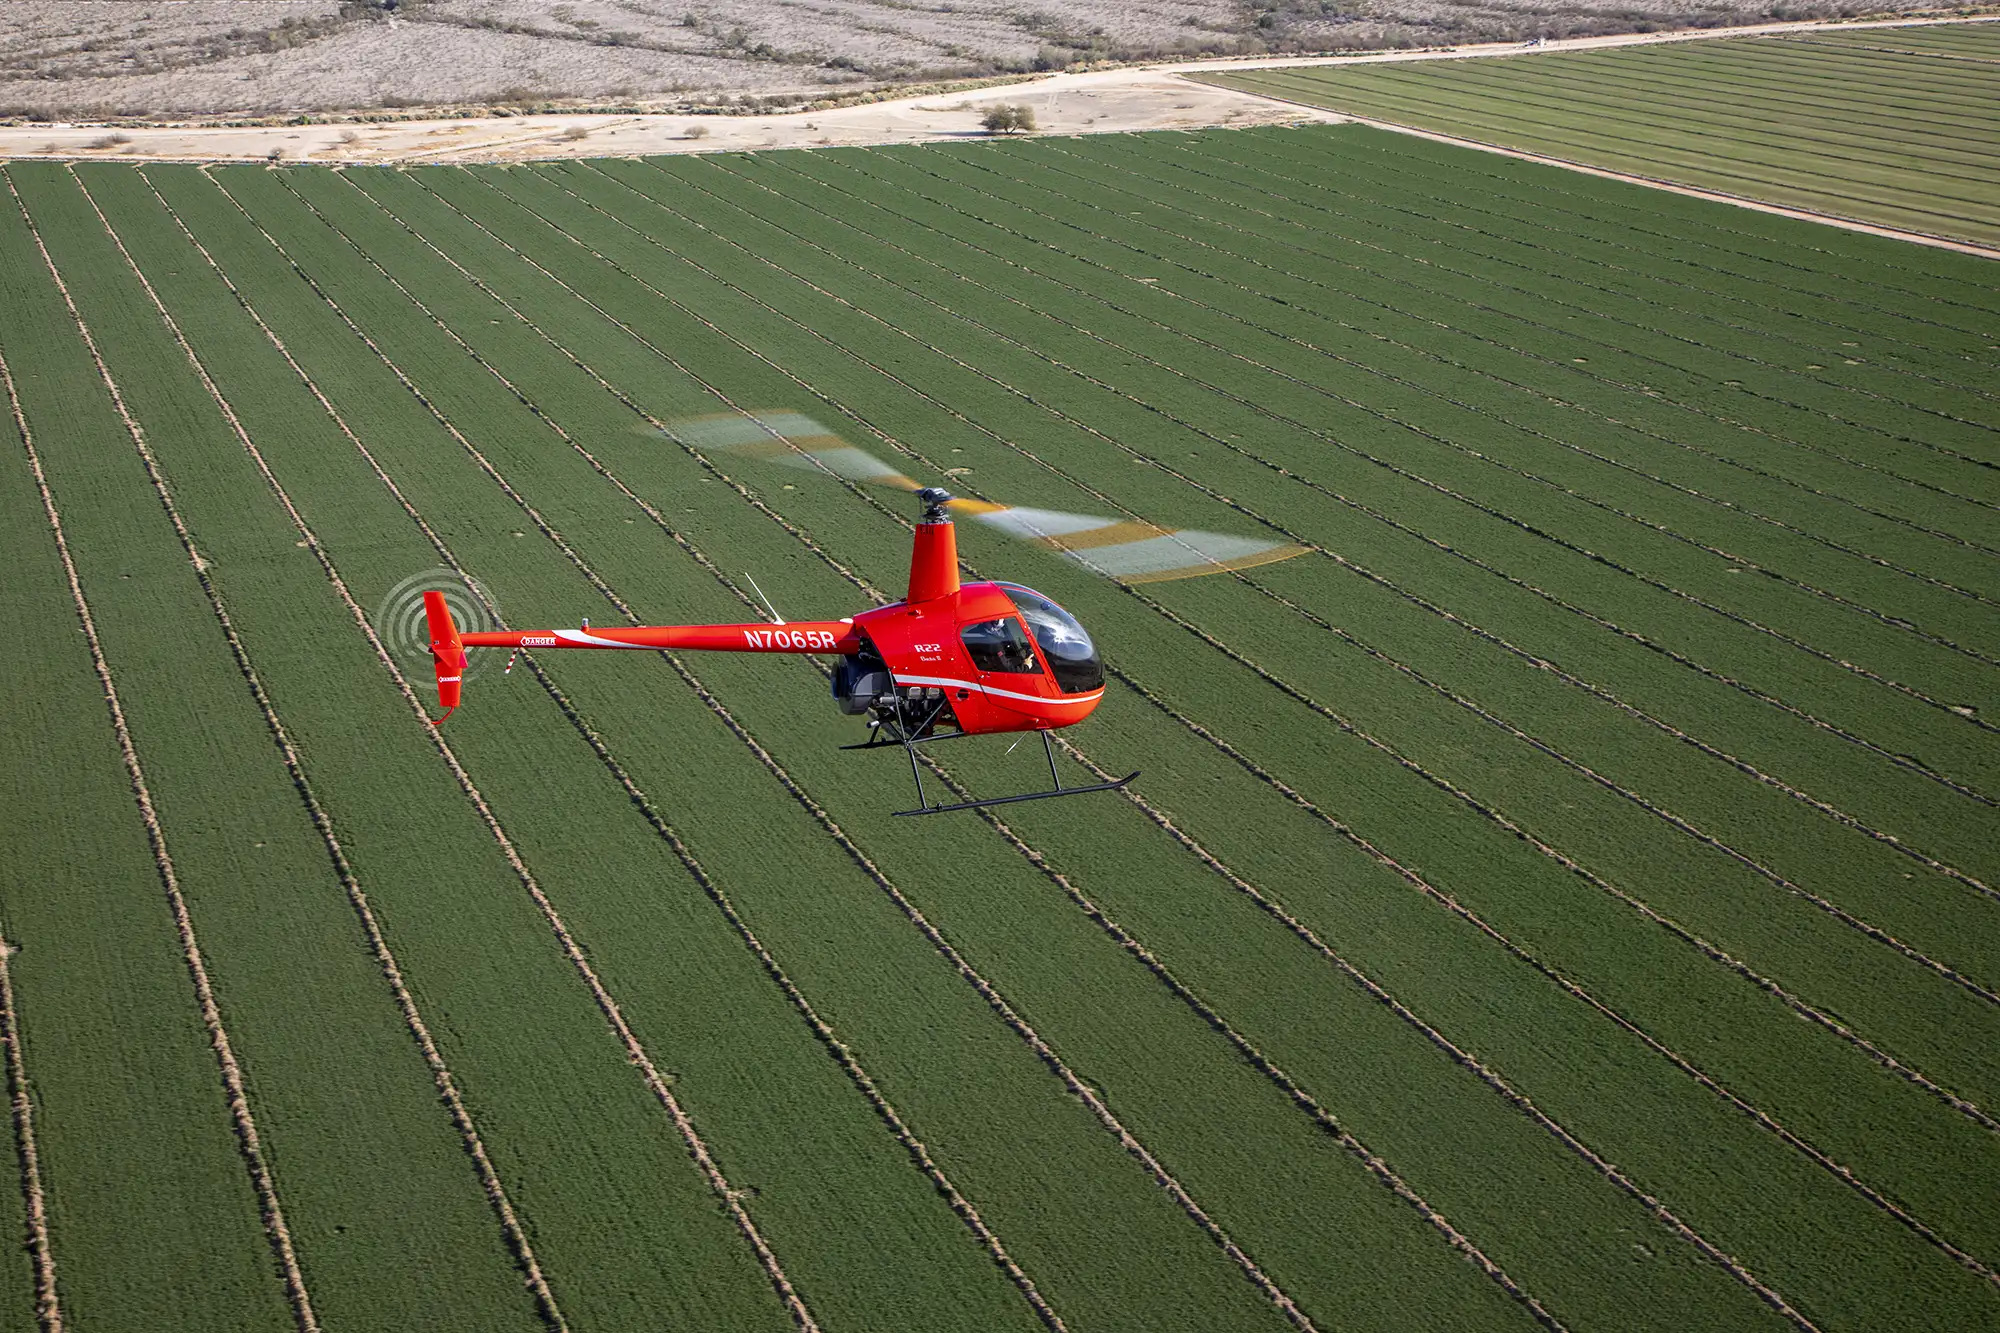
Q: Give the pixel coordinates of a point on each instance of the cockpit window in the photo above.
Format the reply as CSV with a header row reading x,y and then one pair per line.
x,y
1070,653
999,645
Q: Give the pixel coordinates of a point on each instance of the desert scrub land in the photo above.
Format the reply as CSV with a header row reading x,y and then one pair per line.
x,y
1895,126
86,59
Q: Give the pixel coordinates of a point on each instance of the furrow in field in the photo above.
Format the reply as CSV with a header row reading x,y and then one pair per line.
x,y
838,1048
48,1301
1961,1251
1843,663
1008,1014
1653,808
1649,643
1299,239
1539,662
475,1148
232,1074
697,1148
41,1253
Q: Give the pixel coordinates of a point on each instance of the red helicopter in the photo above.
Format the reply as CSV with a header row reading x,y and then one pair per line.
x,y
951,659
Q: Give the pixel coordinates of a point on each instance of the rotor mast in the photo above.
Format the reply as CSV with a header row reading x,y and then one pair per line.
x,y
934,557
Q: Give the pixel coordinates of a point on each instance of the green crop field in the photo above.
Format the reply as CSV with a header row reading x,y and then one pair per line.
x,y
1897,126
1563,896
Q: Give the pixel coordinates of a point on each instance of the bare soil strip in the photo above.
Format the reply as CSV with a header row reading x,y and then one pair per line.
x,y
48,1304
378,943
731,1197
232,1075
48,1301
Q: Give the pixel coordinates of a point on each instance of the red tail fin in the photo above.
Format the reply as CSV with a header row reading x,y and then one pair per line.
x,y
447,653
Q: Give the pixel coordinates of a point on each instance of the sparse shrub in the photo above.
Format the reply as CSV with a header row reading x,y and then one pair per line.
x,y
697,132
576,132
1008,118
110,140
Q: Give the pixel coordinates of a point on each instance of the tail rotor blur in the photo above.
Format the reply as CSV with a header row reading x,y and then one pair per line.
x,y
421,620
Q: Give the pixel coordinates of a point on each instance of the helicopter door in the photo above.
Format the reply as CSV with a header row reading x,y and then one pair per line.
x,y
999,647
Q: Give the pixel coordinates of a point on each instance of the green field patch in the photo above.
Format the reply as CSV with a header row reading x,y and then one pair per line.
x,y
1637,110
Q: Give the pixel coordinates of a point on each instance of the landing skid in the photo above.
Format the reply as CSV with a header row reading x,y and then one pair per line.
x,y
901,731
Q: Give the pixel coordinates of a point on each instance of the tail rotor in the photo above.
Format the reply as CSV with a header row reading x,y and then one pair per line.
x,y
422,620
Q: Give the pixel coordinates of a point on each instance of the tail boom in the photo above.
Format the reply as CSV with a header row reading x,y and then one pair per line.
x,y
804,636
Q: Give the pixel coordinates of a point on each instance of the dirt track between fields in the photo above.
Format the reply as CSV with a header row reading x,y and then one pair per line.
x,y
1122,100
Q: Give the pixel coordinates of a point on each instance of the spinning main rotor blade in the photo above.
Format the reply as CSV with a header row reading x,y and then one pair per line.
x,y
1122,549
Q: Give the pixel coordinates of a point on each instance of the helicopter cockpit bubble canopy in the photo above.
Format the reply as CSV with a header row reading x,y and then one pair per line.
x,y
1065,644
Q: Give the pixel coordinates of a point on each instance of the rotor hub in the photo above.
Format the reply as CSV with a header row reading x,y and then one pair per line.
x,y
935,499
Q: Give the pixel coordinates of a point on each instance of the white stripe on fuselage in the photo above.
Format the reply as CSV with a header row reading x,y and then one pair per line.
x,y
949,683
577,636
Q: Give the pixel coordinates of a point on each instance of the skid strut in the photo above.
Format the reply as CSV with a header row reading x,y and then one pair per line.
x,y
1048,747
